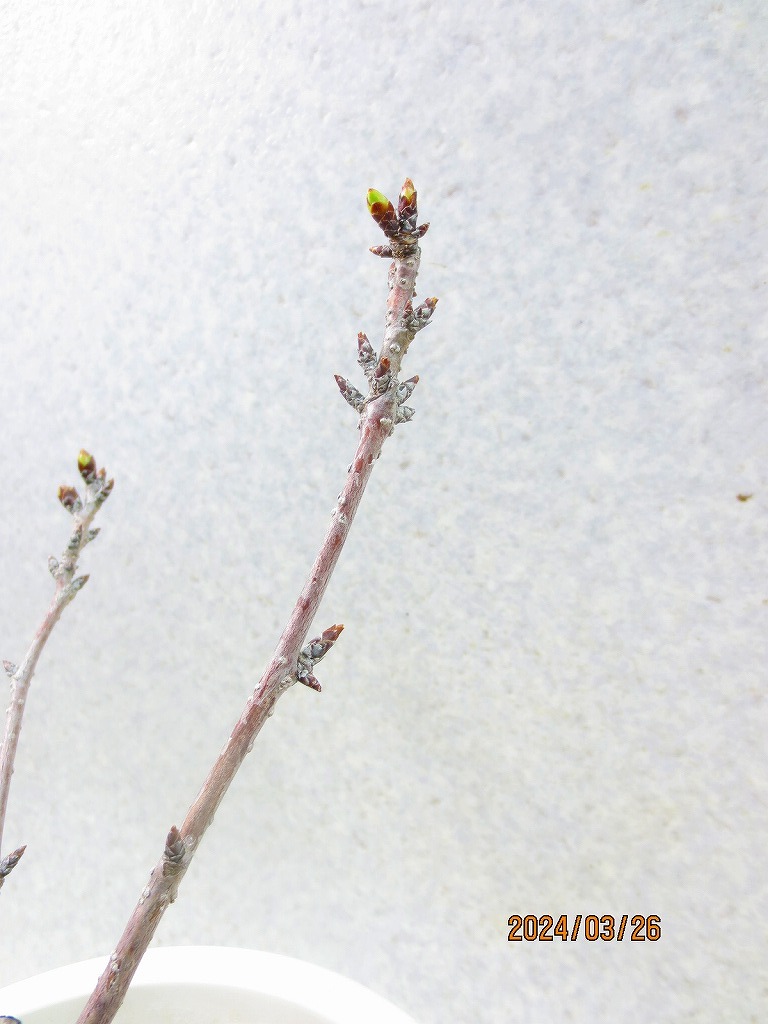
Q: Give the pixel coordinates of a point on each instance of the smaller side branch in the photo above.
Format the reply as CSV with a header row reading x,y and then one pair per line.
x,y
67,585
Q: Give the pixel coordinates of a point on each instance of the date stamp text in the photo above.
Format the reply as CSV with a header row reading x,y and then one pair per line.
x,y
546,928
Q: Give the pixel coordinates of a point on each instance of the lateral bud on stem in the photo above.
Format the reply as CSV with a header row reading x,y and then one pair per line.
x,y
7,864
319,647
76,540
350,393
174,851
313,652
381,377
419,317
105,489
366,357
405,389
70,499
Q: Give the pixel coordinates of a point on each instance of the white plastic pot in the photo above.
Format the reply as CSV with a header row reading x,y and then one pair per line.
x,y
206,985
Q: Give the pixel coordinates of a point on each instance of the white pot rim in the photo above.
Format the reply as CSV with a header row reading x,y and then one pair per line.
x,y
308,986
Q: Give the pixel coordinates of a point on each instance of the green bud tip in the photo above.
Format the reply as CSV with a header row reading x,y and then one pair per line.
x,y
377,199
86,464
382,211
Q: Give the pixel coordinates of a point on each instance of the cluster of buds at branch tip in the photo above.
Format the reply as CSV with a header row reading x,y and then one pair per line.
x,y
82,509
98,488
398,225
401,228
313,652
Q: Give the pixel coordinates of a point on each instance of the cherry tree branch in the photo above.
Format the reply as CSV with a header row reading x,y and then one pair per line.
x,y
97,490
292,661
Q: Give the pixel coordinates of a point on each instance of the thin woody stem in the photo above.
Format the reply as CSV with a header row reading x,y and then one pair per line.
x,y
97,490
378,416
20,681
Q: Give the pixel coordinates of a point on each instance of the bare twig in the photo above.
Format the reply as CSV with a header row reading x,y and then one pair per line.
x,y
97,490
292,661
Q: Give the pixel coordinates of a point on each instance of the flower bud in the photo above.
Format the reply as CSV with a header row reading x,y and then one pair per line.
x,y
87,466
383,212
70,499
406,207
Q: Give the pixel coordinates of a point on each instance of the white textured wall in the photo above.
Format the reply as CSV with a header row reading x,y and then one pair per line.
x,y
550,694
